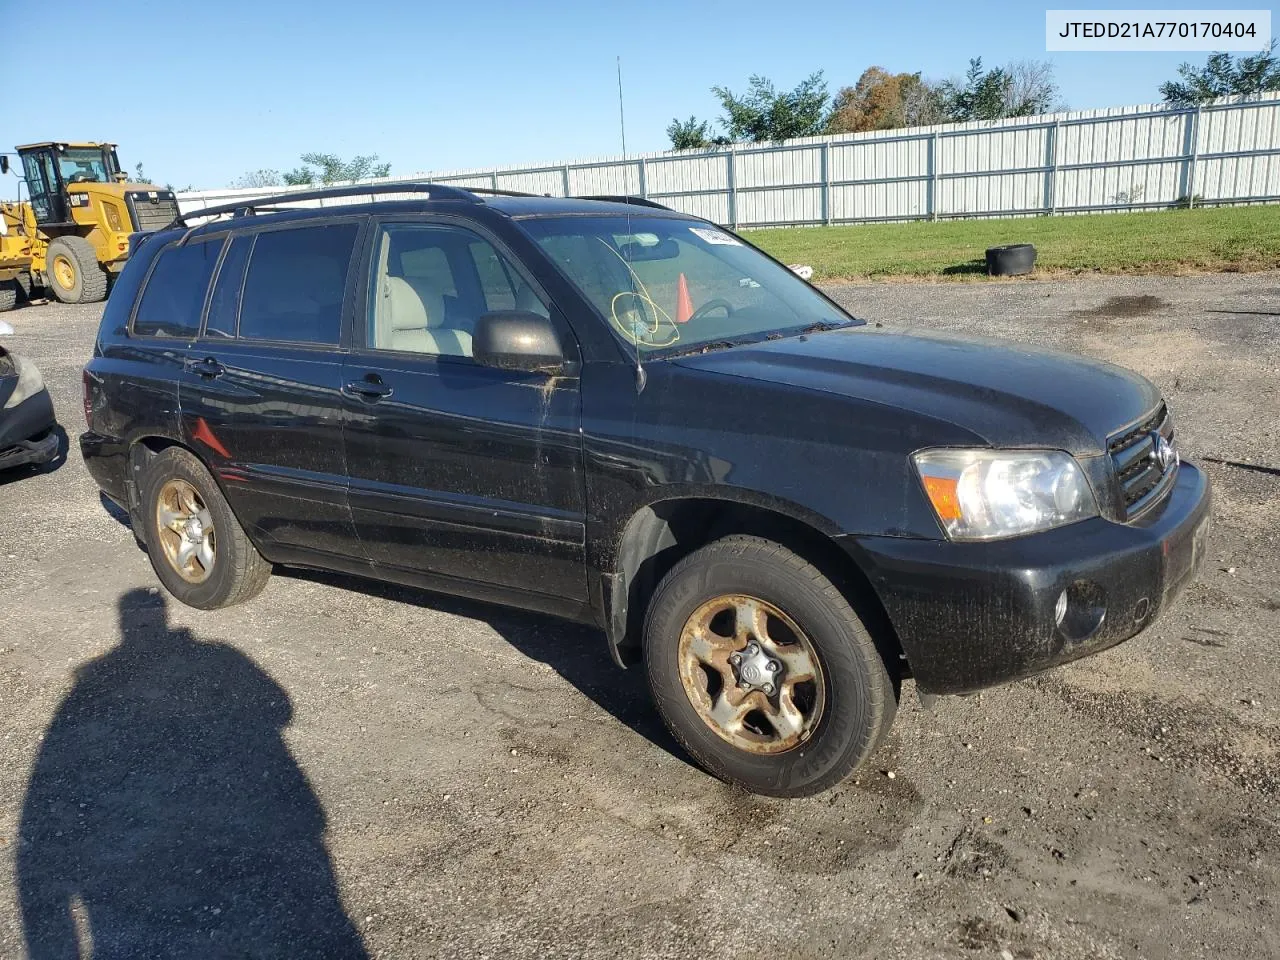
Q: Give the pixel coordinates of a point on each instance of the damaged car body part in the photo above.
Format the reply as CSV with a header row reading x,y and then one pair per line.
x,y
27,422
622,415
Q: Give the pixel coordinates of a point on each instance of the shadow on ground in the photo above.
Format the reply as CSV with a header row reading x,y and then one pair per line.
x,y
968,267
165,816
577,653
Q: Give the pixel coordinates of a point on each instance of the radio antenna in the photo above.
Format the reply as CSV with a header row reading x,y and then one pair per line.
x,y
635,336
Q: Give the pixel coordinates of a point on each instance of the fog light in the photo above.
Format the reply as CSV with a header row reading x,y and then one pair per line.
x,y
1080,610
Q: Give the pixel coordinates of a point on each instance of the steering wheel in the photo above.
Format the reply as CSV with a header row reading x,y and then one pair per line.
x,y
79,178
716,304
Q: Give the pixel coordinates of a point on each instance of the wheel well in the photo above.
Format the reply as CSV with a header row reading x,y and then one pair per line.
x,y
660,535
142,452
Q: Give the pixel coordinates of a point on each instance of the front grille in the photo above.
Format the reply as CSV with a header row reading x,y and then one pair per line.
x,y
152,211
1143,479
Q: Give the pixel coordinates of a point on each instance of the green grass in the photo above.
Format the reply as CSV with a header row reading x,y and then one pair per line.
x,y
1177,241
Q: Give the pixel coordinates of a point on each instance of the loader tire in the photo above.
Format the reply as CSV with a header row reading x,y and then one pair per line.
x,y
72,271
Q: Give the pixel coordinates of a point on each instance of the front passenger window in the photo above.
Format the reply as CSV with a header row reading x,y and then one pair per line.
x,y
432,283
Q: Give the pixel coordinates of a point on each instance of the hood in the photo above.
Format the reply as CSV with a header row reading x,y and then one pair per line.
x,y
1008,394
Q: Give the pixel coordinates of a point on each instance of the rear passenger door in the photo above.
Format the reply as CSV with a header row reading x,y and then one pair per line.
x,y
459,472
261,395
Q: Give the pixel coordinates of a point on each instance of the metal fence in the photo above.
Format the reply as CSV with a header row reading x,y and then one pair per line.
x,y
1122,158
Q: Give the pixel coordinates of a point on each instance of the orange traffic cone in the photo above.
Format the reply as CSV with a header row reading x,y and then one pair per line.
x,y
684,305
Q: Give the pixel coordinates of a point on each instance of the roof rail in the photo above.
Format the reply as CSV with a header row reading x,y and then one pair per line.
x,y
241,208
634,201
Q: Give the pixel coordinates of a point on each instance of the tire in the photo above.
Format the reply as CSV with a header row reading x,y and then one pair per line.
x,y
8,295
858,697
236,573
1011,261
87,281
24,287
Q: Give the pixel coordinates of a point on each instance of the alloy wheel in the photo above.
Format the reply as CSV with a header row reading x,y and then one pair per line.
x,y
186,531
752,674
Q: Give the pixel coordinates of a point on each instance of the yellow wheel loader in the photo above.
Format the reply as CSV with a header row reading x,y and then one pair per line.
x,y
15,261
77,217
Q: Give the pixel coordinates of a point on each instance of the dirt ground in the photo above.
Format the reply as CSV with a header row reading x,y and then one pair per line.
x,y
339,767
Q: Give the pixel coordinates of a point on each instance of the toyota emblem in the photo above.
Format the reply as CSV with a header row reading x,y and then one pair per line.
x,y
1164,454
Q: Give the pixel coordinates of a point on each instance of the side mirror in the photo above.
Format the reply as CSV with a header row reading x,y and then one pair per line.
x,y
4,163
517,340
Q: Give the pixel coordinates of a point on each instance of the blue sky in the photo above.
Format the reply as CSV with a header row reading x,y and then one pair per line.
x,y
224,87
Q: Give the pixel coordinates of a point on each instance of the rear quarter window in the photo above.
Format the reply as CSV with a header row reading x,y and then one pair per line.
x,y
294,285
174,295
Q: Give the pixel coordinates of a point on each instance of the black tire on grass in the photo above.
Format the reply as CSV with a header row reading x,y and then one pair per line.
x,y
1011,261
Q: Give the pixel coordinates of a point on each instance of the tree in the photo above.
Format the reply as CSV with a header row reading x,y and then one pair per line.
x,y
258,178
139,176
763,114
689,134
1022,89
331,169
873,103
923,103
1224,76
883,101
1032,89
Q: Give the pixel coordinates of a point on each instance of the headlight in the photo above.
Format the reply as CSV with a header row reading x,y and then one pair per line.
x,y
989,494
29,381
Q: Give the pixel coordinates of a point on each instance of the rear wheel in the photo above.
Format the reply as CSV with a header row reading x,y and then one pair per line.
x,y
197,547
762,670
72,271
8,295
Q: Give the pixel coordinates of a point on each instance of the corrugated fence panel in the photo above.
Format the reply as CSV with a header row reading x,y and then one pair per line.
x,y
686,174
872,160
786,206
903,200
608,179
533,181
1122,185
1120,158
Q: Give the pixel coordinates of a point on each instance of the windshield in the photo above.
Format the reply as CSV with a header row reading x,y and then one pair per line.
x,y
82,165
673,285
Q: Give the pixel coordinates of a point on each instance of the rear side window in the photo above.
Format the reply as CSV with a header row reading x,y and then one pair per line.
x,y
174,295
295,282
224,306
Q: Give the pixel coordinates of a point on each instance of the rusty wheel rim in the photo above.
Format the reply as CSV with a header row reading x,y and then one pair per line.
x,y
64,272
752,674
186,531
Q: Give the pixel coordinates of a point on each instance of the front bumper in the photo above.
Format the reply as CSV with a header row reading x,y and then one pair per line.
x,y
27,432
971,615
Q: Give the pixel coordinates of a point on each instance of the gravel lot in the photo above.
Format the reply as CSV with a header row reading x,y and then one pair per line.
x,y
341,767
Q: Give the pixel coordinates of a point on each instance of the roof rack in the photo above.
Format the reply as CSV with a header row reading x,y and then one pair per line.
x,y
242,208
438,191
634,201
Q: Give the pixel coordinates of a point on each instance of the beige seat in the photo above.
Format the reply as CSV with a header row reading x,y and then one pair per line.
x,y
412,319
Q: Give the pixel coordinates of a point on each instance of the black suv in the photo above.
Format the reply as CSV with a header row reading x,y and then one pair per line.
x,y
612,412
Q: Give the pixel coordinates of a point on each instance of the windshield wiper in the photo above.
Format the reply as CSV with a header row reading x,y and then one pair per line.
x,y
704,348
822,326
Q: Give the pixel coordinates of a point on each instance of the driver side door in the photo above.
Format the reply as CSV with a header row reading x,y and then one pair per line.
x,y
461,475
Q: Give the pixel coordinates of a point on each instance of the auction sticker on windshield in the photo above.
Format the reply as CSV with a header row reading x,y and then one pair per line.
x,y
715,236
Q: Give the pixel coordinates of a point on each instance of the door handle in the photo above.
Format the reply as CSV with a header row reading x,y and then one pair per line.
x,y
208,367
367,389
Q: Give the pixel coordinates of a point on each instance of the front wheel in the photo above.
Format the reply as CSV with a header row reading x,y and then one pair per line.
x,y
763,671
72,271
